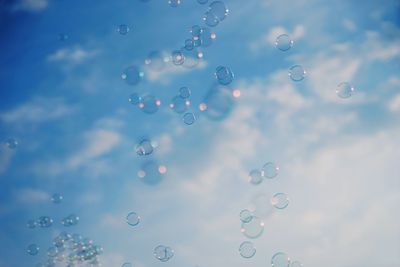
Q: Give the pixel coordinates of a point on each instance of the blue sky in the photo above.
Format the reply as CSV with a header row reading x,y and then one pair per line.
x,y
65,102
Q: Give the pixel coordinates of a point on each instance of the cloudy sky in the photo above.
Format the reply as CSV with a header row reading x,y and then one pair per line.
x,y
66,104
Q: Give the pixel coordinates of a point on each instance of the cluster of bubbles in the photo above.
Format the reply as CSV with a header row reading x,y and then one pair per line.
x,y
70,220
269,171
163,253
41,222
281,259
181,103
71,250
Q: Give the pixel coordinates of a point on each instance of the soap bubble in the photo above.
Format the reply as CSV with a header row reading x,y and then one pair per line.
x,y
144,147
224,75
155,60
45,222
206,37
185,92
280,201
296,264
11,143
189,118
52,252
123,29
163,253
150,104
178,58
254,228
218,103
56,198
210,19
174,3
32,249
297,73
247,249
189,44
255,177
179,104
344,90
63,37
132,75
219,10
246,216
127,264
283,42
151,172
135,99
192,57
270,170
196,30
70,220
31,224
133,219
280,259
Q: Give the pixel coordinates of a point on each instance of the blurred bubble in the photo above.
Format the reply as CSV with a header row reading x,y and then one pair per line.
x,y
127,264
33,249
195,30
177,57
207,37
151,172
123,29
63,37
254,228
255,177
218,103
150,104
135,99
179,104
174,3
202,2
185,92
280,259
144,147
31,224
163,253
283,42
280,201
344,90
247,249
192,58
224,75
44,222
297,73
155,60
11,143
296,264
246,216
132,75
133,218
270,170
70,220
189,118
189,44
210,19
56,198
219,10
52,252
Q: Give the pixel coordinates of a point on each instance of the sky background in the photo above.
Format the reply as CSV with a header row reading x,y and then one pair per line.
x,y
65,102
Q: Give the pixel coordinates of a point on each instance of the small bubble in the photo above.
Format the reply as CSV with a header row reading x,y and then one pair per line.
x,y
163,253
270,170
280,259
179,104
56,198
210,19
144,147
255,177
132,219
344,90
224,75
280,201
247,249
45,222
70,220
150,104
135,99
123,29
189,118
132,75
246,216
32,249
151,172
283,42
297,73
254,228
31,224
11,143
185,92
177,57
63,37
174,3
155,60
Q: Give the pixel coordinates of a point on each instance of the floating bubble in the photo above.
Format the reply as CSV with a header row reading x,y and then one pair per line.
x,y
163,253
210,19
280,201
255,177
133,218
296,264
31,224
135,99
11,143
33,249
70,220
219,10
297,73
196,30
185,92
202,2
270,170
254,228
52,252
132,75
189,44
45,222
150,104
344,90
123,29
207,37
63,37
224,75
179,104
280,259
56,198
192,57
178,58
151,172
155,60
174,3
247,249
127,264
144,148
189,118
218,103
246,216
283,42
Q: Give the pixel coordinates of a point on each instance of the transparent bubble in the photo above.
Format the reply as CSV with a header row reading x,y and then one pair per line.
x,y
280,259
151,172
297,73
127,264
254,228
57,198
210,19
123,29
224,75
202,2
52,252
179,104
150,104
246,216
192,57
45,222
189,118
283,42
219,10
32,249
270,170
196,30
218,103
135,99
185,92
31,224
344,90
163,253
255,177
178,58
196,41
296,264
11,143
189,44
133,218
132,75
174,3
280,201
144,148
63,37
155,60
206,37
70,220
247,249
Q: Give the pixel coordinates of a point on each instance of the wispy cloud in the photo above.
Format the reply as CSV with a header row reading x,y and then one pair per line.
x,y
30,195
30,5
72,55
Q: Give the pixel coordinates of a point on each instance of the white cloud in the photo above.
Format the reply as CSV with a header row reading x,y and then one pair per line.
x,y
394,104
72,56
31,5
349,25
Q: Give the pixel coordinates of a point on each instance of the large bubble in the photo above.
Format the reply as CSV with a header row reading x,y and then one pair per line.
x,y
218,103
